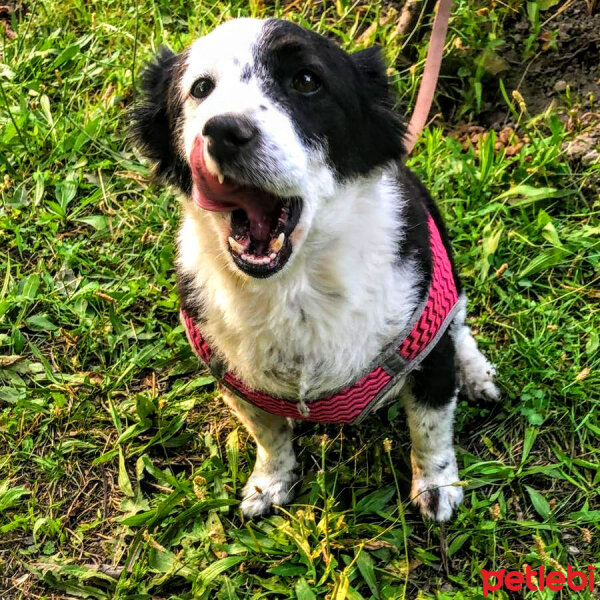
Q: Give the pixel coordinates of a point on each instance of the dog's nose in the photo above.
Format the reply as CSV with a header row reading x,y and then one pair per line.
x,y
228,135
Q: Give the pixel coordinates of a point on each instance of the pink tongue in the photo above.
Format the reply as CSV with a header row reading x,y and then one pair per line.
x,y
211,195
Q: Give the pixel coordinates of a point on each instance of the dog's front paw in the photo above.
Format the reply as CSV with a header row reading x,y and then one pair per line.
x,y
264,490
435,501
436,495
482,387
478,380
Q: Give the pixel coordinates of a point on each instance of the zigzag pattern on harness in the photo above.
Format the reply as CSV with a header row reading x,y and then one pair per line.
x,y
442,297
343,407
347,405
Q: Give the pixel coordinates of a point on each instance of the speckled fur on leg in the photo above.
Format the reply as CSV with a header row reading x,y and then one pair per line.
x,y
273,475
433,460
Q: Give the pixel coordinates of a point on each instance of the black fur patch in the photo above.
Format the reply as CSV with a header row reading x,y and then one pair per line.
x,y
351,114
434,382
416,235
156,120
189,299
434,211
246,73
432,500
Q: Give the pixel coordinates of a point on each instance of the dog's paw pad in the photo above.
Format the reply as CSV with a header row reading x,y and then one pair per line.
x,y
264,490
436,500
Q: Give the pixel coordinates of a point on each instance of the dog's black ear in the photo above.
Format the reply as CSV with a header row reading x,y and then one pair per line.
x,y
155,120
386,125
371,65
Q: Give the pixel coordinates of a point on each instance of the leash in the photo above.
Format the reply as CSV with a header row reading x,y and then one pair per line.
x,y
430,75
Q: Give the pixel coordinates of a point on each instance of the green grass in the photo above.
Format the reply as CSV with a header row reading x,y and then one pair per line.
x,y
120,471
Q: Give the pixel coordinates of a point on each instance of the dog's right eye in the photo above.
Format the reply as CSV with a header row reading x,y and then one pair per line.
x,y
202,87
306,82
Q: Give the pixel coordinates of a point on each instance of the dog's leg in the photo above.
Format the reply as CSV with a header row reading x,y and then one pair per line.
x,y
434,469
430,408
476,373
273,474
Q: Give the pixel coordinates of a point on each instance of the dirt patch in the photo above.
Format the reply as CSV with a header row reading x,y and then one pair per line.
x,y
567,62
560,65
586,146
555,65
7,10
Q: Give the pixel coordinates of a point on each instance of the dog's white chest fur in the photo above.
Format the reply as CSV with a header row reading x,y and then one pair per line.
x,y
318,325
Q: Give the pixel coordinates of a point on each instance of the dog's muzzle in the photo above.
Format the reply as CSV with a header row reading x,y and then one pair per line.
x,y
261,222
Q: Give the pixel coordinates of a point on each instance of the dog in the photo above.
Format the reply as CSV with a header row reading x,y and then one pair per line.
x,y
315,274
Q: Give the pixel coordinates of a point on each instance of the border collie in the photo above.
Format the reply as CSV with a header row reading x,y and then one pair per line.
x,y
307,249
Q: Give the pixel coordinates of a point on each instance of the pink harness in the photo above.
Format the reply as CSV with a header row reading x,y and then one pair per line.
x,y
353,403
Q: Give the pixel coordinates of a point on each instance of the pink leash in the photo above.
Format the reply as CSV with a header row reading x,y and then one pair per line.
x,y
430,74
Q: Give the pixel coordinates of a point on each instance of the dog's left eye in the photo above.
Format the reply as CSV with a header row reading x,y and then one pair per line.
x,y
202,87
306,82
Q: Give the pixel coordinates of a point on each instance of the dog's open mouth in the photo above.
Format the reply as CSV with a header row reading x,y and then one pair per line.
x,y
261,222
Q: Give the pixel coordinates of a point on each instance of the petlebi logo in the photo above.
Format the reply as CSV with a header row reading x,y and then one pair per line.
x,y
538,580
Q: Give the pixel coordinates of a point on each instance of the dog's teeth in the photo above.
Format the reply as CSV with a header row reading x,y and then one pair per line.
x,y
236,246
221,179
273,256
278,243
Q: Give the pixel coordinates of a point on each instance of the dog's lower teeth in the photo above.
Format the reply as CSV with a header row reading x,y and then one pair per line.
x,y
278,243
236,246
256,260
240,250
265,256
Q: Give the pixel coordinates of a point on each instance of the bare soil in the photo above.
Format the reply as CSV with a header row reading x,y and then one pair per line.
x,y
574,63
562,69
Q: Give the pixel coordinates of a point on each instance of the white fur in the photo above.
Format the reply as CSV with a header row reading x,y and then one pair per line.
x,y
320,322
476,373
433,460
273,475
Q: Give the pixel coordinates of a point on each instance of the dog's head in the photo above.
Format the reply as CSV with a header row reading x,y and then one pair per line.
x,y
258,123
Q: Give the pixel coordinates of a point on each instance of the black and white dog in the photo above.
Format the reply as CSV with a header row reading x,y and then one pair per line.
x,y
304,247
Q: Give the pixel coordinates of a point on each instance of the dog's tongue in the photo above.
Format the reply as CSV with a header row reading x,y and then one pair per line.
x,y
209,194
